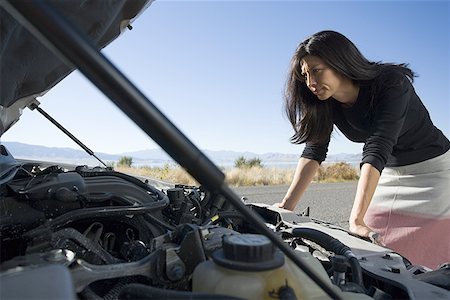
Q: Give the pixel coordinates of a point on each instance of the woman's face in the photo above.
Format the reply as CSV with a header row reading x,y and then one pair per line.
x,y
322,80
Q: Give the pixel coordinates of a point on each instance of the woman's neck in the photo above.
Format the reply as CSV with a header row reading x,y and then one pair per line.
x,y
348,93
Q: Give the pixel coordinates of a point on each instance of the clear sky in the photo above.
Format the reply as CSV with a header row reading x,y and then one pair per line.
x,y
217,70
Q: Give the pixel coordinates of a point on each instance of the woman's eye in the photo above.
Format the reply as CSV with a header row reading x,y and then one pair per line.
x,y
316,70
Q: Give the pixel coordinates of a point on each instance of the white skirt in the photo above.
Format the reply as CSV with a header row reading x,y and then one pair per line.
x,y
411,211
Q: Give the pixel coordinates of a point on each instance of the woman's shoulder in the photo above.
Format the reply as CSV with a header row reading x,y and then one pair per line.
x,y
392,76
392,81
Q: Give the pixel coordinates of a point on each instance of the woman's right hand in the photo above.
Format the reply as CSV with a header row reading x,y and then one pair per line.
x,y
285,204
304,173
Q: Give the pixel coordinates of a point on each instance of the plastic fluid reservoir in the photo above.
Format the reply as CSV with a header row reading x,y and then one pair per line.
x,y
250,267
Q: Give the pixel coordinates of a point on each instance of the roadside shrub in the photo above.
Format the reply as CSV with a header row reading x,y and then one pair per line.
x,y
340,171
241,163
125,161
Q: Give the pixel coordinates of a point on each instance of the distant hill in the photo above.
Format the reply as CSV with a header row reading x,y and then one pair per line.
x,y
156,157
56,154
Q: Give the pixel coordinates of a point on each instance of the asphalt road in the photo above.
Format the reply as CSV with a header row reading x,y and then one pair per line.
x,y
329,202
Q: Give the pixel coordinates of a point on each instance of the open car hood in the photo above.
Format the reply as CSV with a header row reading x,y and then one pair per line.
x,y
29,69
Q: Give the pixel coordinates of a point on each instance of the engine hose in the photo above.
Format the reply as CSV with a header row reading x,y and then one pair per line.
x,y
352,287
88,293
153,220
206,198
124,176
197,205
331,244
356,270
141,291
114,292
59,239
94,212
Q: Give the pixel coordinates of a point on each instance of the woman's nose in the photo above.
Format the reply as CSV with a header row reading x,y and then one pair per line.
x,y
311,82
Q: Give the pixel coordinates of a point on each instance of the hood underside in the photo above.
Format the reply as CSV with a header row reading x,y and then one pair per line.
x,y
28,69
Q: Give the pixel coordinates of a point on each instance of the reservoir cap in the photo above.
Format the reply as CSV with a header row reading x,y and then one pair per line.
x,y
248,252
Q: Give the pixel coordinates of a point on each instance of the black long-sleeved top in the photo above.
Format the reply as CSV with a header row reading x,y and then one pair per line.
x,y
395,127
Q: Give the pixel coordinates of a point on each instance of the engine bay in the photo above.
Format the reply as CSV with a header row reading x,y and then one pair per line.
x,y
115,236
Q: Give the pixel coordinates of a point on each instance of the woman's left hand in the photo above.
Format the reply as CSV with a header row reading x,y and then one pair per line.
x,y
367,184
363,230
360,229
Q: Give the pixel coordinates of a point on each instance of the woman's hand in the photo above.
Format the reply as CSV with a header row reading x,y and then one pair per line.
x,y
367,184
361,229
304,173
284,205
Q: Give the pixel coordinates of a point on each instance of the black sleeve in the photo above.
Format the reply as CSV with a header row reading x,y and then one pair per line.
x,y
390,110
315,151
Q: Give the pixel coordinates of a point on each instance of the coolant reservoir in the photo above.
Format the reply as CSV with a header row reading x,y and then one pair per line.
x,y
250,267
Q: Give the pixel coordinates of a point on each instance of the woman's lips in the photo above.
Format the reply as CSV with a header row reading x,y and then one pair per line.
x,y
316,91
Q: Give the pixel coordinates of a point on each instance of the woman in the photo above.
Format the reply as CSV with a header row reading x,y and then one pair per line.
x,y
408,208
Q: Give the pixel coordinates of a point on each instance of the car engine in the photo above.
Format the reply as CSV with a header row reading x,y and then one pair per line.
x,y
114,236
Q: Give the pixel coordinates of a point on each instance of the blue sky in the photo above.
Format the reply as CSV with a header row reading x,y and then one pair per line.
x,y
217,70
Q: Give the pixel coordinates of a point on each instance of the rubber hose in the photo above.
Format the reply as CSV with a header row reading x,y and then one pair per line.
x,y
141,291
331,244
59,238
93,212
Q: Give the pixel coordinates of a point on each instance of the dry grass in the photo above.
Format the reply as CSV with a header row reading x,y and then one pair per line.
x,y
337,172
174,174
252,176
258,176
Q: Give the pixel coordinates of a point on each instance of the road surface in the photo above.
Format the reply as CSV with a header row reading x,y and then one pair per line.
x,y
330,202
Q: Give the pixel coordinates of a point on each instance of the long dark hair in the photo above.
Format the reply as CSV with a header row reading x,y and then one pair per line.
x,y
311,118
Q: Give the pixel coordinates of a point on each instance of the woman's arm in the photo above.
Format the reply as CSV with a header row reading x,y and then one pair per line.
x,y
367,184
389,113
304,173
